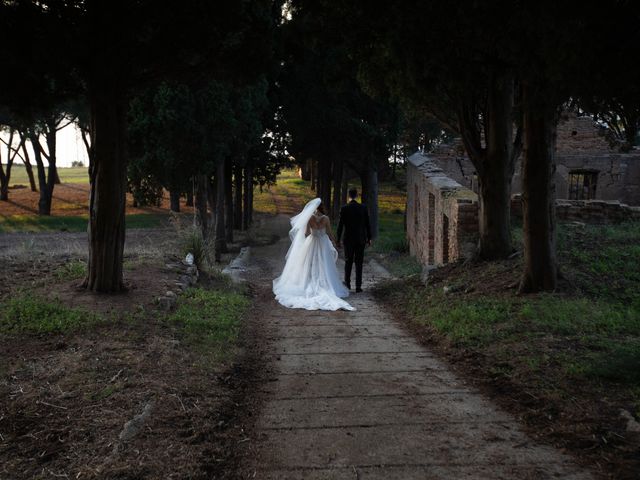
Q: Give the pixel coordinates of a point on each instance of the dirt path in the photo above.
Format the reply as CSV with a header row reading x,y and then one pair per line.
x,y
352,396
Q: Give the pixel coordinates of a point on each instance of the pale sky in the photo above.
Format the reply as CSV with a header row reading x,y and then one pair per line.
x,y
70,147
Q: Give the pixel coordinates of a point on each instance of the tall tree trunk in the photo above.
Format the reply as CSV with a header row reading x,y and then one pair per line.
x,y
248,190
228,200
27,164
189,198
5,177
538,192
318,176
52,146
4,183
201,195
250,208
338,169
370,197
174,200
44,205
395,159
495,172
212,196
87,143
325,183
305,170
631,131
237,207
345,184
220,244
313,174
494,163
108,176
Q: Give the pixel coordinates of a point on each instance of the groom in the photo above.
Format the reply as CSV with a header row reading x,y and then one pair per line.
x,y
354,219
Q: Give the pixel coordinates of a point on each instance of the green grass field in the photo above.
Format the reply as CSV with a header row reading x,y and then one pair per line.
x,y
33,223
67,175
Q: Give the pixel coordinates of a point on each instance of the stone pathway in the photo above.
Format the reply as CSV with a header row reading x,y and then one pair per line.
x,y
353,396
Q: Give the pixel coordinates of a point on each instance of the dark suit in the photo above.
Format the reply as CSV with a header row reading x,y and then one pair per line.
x,y
354,219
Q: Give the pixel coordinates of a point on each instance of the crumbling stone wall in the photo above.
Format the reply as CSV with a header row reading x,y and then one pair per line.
x,y
442,215
581,145
587,211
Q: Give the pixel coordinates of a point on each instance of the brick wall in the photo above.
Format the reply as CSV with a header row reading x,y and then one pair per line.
x,y
581,145
442,215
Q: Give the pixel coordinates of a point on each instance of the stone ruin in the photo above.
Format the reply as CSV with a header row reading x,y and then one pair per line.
x,y
442,215
595,183
589,165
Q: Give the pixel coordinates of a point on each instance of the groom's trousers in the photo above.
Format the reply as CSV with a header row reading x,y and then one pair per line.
x,y
353,253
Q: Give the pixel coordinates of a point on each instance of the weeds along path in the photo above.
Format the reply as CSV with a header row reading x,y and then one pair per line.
x,y
351,395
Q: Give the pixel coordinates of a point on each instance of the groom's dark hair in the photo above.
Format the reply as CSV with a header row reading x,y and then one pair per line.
x,y
353,193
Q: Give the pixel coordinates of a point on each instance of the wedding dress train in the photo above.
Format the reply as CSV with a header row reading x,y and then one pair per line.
x,y
310,278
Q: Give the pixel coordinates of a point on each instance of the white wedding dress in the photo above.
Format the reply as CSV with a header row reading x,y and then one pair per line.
x,y
309,278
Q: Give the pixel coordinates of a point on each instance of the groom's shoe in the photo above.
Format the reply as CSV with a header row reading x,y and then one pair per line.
x,y
358,290
347,285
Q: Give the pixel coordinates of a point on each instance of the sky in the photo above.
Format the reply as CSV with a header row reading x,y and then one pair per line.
x,y
70,147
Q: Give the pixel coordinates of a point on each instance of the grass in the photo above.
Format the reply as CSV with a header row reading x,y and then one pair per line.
x,y
391,247
67,174
71,270
31,223
603,260
570,358
582,343
192,242
290,189
27,314
210,319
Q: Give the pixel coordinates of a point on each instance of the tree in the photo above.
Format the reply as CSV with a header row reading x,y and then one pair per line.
x,y
339,123
612,95
12,152
115,47
450,64
564,49
46,127
164,140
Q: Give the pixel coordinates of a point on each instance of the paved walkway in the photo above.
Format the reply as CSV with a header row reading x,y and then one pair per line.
x,y
355,397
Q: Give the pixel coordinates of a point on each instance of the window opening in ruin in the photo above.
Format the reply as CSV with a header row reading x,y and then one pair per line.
x,y
582,184
431,215
445,239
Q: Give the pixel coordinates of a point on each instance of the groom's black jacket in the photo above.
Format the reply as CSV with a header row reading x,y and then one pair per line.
x,y
354,219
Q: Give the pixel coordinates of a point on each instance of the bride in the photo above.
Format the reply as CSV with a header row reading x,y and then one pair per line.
x,y
309,278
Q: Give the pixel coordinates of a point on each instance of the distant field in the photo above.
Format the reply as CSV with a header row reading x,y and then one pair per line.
x,y
67,175
34,223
